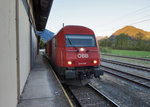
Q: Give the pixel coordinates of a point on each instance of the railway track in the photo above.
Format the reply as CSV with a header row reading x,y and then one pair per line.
x,y
143,59
127,65
130,77
89,96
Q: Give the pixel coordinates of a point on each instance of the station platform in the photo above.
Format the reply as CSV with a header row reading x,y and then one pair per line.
x,y
42,88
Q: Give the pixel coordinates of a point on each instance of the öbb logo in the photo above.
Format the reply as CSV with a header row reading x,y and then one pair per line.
x,y
82,55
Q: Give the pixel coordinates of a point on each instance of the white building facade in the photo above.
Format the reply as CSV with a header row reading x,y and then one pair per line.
x,y
18,44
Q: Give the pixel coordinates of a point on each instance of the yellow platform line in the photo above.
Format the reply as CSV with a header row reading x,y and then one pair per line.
x,y
61,86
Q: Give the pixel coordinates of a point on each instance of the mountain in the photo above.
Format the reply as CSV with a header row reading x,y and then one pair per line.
x,y
133,32
46,35
99,37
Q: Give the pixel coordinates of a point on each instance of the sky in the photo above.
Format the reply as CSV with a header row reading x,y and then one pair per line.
x,y
104,17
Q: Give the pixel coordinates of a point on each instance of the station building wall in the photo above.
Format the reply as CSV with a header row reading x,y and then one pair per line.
x,y
15,50
34,46
24,45
8,69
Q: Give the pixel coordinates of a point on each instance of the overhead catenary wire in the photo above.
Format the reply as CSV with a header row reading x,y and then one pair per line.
x,y
133,13
130,16
120,26
141,21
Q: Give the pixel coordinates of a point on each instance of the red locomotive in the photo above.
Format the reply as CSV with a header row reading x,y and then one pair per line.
x,y
74,53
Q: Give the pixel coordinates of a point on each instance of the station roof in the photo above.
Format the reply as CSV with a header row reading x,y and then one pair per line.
x,y
41,10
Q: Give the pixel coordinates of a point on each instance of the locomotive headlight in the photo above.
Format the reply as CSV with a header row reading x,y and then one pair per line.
x,y
95,61
82,49
69,62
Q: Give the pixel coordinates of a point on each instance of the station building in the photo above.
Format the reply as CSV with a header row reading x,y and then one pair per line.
x,y
19,22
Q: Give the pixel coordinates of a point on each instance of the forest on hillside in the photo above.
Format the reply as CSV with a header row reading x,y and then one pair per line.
x,y
125,42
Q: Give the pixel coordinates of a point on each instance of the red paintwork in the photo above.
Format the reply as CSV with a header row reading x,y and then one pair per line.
x,y
60,54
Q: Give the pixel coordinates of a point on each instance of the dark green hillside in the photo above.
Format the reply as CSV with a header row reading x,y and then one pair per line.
x,y
124,41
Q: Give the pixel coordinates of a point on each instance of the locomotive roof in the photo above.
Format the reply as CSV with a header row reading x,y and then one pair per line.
x,y
72,29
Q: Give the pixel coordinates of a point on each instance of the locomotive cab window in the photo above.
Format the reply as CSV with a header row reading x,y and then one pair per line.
x,y
55,42
80,41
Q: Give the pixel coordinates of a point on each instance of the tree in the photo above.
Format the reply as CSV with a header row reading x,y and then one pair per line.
x,y
139,37
122,41
42,44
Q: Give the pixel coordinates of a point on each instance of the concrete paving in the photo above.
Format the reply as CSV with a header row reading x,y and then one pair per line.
x,y
42,88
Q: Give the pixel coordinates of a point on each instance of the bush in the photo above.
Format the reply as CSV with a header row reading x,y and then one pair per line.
x,y
105,50
42,44
124,42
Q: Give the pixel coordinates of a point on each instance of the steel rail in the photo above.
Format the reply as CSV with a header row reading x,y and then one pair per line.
x,y
102,94
127,64
143,59
74,98
81,101
127,76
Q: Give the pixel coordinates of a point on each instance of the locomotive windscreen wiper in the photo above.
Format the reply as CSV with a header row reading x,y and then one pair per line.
x,y
72,45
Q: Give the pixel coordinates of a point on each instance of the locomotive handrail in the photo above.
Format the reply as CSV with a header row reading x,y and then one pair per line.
x,y
71,50
87,50
92,51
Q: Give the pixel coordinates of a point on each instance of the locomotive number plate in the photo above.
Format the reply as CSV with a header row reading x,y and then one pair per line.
x,y
82,55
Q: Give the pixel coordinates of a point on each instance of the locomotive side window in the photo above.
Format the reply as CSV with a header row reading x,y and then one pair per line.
x,y
55,41
80,41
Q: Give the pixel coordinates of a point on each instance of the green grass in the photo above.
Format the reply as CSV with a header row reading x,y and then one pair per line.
x,y
131,53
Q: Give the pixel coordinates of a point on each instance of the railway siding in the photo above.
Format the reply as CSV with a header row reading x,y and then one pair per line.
x,y
130,77
124,93
143,59
128,60
127,64
136,72
89,96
